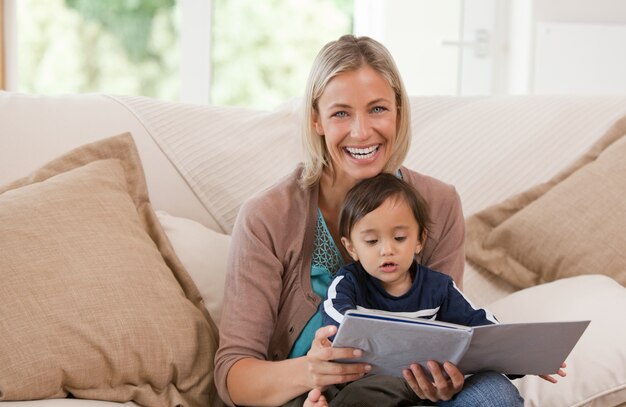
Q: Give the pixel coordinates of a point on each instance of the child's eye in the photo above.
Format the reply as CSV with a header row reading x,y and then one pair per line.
x,y
371,242
400,238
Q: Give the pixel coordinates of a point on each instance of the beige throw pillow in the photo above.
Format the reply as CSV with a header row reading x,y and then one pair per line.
x,y
596,367
570,226
93,300
203,252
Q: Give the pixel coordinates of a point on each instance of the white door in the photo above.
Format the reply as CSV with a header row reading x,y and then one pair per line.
x,y
442,47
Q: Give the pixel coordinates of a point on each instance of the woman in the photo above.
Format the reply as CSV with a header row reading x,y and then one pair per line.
x,y
286,246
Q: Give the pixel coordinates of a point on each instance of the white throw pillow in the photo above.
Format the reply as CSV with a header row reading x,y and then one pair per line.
x,y
203,252
596,368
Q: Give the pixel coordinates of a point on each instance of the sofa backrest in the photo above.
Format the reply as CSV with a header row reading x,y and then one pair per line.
x,y
488,147
202,162
493,147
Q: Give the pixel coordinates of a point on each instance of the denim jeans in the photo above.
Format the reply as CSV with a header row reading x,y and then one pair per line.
x,y
480,390
486,389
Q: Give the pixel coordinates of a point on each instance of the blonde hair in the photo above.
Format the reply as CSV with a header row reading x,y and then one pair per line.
x,y
347,54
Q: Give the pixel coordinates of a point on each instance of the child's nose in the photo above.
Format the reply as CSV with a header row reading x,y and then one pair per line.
x,y
386,248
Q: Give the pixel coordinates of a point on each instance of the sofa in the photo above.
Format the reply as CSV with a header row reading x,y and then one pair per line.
x,y
115,214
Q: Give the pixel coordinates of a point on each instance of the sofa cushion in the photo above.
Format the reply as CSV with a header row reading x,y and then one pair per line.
x,y
93,300
203,253
226,154
570,226
596,367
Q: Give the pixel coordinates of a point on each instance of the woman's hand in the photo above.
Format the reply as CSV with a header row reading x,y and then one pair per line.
x,y
321,371
441,388
561,372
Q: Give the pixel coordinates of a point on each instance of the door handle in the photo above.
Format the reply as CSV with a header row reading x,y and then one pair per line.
x,y
480,45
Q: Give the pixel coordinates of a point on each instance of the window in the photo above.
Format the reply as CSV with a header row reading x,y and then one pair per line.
x,y
114,46
263,50
233,52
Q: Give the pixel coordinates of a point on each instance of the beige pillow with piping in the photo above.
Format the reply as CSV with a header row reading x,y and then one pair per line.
x,y
93,300
570,226
596,367
203,252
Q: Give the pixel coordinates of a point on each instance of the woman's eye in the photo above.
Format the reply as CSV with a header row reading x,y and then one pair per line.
x,y
378,109
340,114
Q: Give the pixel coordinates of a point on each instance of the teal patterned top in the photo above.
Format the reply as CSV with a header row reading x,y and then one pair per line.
x,y
325,263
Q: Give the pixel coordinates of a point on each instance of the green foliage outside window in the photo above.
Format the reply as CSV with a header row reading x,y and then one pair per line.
x,y
261,52
130,21
92,46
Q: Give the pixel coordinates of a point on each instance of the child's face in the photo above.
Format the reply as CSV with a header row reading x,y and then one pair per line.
x,y
385,242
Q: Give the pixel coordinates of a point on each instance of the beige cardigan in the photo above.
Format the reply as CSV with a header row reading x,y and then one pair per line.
x,y
268,296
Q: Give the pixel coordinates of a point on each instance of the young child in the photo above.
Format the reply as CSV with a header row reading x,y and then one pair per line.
x,y
383,223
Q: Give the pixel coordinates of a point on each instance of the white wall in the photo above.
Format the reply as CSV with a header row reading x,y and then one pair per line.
x,y
530,52
579,46
580,11
573,58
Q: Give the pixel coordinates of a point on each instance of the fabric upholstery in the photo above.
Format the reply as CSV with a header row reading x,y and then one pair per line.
x,y
596,367
203,253
570,226
93,300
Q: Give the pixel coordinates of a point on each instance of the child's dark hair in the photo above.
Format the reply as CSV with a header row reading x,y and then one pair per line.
x,y
369,194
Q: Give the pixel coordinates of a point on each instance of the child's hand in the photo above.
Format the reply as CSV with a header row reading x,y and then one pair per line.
x,y
442,388
552,379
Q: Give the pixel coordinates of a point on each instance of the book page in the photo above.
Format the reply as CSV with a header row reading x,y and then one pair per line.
x,y
392,344
522,348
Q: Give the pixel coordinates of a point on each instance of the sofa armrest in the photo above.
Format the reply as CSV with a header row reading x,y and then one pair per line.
x,y
35,129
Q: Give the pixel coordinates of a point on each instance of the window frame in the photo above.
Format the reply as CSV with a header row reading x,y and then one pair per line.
x,y
2,48
8,45
195,44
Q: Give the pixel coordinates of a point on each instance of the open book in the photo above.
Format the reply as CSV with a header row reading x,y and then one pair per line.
x,y
391,343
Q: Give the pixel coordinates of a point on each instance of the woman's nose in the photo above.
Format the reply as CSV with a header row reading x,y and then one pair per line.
x,y
359,127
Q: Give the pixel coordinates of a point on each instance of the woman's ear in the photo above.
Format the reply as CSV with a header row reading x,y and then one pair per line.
x,y
319,129
350,248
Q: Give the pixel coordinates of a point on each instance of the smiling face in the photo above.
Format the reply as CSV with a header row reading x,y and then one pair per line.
x,y
385,241
357,116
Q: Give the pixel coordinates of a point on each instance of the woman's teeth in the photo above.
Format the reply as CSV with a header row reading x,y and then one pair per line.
x,y
363,153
